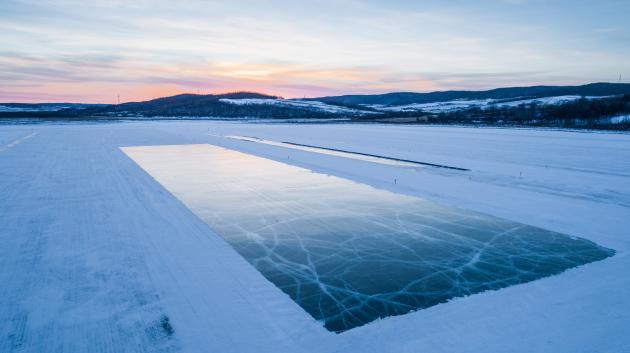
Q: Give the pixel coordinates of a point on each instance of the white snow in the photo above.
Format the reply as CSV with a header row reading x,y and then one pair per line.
x,y
48,108
436,107
545,101
16,141
461,104
619,119
374,159
314,105
95,252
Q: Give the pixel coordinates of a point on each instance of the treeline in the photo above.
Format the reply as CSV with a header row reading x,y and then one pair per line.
x,y
584,109
216,109
507,93
588,113
591,113
226,110
187,105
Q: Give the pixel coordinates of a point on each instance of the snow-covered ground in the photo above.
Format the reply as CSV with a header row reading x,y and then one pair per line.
x,y
434,107
96,255
314,105
41,108
619,119
461,104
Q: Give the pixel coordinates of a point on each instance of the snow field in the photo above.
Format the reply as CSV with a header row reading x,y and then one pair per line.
x,y
95,252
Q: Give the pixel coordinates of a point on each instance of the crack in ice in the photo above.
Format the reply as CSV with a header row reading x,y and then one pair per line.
x,y
349,253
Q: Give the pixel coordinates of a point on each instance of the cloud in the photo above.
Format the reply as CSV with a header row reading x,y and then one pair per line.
x,y
143,48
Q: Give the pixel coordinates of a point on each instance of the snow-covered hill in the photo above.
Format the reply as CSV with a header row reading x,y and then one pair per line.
x,y
300,104
462,104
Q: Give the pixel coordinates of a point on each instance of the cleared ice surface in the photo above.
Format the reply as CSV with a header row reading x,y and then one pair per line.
x,y
346,154
349,253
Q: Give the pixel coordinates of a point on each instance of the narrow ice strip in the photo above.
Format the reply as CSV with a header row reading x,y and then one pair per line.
x,y
349,253
346,154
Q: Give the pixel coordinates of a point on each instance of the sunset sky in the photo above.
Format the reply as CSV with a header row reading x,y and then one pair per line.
x,y
92,50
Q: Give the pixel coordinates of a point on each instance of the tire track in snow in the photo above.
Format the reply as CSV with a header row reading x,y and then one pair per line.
x,y
17,142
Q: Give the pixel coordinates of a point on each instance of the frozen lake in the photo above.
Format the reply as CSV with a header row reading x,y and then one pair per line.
x,y
97,255
349,253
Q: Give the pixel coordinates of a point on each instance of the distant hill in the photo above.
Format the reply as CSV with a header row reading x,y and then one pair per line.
x,y
403,98
597,106
230,105
185,102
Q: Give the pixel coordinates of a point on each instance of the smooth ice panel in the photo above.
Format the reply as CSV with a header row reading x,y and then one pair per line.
x,y
349,253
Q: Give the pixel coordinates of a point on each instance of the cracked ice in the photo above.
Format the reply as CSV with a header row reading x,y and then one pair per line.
x,y
346,252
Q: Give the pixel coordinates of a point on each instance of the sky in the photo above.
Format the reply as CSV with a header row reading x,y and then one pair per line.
x,y
94,51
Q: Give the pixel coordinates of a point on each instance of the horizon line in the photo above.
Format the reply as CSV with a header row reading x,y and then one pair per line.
x,y
278,96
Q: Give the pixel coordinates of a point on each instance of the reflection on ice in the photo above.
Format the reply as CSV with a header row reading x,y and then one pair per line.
x,y
349,253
